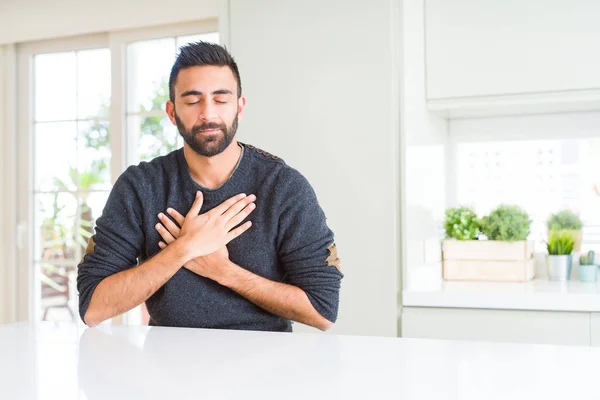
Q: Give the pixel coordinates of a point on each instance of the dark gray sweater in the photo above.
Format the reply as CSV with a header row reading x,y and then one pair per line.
x,y
289,241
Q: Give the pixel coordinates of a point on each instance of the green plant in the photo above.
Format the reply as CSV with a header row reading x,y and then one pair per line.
x,y
588,258
507,222
461,223
565,219
560,243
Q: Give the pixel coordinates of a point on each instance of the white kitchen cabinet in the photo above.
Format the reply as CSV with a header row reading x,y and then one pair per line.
x,y
523,52
595,329
515,326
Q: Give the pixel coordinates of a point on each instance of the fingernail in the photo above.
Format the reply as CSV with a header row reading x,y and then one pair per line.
x,y
170,210
253,197
161,215
198,194
252,205
157,226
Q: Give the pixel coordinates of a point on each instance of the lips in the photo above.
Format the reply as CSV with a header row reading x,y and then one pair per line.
x,y
209,131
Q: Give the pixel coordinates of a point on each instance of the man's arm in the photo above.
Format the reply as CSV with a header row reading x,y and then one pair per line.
x,y
281,299
125,290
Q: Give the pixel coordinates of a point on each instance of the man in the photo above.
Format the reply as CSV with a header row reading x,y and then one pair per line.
x,y
227,235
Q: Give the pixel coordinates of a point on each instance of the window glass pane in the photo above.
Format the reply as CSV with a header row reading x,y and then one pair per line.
x,y
55,221
55,87
93,156
148,66
71,160
542,176
93,83
91,205
151,137
55,156
58,291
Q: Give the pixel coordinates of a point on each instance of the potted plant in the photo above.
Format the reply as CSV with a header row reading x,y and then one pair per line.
x,y
507,223
505,255
567,220
461,224
559,261
588,270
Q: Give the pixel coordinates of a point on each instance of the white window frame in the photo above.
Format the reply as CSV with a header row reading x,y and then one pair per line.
x,y
8,180
117,43
27,289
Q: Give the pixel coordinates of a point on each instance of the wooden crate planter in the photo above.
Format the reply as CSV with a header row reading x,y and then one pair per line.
x,y
488,260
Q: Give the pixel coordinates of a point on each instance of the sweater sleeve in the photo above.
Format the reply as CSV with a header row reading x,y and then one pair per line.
x,y
118,239
306,246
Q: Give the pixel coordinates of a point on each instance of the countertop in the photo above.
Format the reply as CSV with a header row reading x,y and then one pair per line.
x,y
66,361
425,288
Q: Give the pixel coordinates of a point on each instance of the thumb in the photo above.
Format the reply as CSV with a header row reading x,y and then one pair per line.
x,y
195,210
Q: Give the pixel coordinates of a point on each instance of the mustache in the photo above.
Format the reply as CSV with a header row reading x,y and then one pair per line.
x,y
207,126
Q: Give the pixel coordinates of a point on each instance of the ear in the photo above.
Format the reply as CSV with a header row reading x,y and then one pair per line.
x,y
170,108
241,105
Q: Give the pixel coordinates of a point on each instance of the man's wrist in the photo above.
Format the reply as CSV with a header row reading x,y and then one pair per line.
x,y
228,273
181,251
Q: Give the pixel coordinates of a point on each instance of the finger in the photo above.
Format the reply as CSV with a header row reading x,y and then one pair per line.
x,y
237,232
175,215
224,206
239,217
170,225
238,207
162,245
195,210
167,237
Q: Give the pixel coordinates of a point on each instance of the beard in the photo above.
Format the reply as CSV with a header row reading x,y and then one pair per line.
x,y
208,145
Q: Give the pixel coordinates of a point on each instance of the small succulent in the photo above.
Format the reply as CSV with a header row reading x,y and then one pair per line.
x,y
461,223
588,258
560,243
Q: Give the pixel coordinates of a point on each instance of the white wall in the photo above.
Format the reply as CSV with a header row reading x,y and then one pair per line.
x,y
321,80
425,149
491,47
27,20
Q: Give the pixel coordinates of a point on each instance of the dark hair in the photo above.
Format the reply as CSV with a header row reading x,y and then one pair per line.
x,y
199,54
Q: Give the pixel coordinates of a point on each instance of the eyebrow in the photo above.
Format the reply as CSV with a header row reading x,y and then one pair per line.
x,y
199,93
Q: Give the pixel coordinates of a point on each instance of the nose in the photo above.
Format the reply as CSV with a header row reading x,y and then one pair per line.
x,y
207,111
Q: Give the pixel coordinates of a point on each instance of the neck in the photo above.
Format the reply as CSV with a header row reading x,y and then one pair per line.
x,y
212,172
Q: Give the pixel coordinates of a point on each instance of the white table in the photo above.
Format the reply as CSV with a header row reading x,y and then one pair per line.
x,y
54,361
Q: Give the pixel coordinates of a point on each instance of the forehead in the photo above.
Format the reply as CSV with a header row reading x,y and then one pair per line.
x,y
205,79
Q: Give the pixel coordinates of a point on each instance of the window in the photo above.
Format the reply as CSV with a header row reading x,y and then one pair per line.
x,y
71,92
81,138
150,133
542,176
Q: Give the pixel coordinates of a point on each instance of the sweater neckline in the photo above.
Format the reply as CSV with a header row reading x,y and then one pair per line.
x,y
227,189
